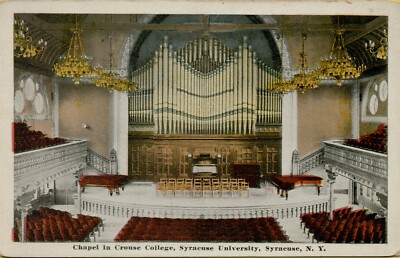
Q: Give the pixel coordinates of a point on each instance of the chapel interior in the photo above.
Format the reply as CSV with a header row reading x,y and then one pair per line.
x,y
189,124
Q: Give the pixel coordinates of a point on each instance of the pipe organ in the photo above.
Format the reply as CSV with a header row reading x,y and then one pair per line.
x,y
203,96
204,88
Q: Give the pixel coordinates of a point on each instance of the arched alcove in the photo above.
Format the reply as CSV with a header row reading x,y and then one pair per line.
x,y
263,42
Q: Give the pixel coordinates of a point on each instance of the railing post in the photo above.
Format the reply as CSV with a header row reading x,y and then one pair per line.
x,y
331,181
24,217
113,162
295,163
79,208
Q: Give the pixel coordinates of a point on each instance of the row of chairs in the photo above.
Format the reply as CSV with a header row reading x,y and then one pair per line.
x,y
347,226
50,225
265,229
203,186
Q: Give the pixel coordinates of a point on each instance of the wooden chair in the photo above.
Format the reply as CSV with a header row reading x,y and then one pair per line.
x,y
161,186
180,185
207,186
197,187
216,186
171,185
234,186
243,187
188,186
225,186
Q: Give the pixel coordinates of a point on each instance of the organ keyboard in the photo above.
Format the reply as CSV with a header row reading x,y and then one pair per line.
x,y
204,168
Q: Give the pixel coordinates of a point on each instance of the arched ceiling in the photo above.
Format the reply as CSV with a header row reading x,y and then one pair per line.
x,y
262,41
54,28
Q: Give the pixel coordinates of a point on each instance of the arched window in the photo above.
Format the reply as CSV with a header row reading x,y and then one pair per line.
x,y
30,99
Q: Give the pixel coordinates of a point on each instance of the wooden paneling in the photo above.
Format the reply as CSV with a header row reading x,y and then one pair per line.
x,y
154,156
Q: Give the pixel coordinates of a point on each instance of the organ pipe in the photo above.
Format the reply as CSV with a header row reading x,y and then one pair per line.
x,y
204,88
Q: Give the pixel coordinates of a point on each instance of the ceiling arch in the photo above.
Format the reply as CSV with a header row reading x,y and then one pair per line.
x,y
262,41
54,29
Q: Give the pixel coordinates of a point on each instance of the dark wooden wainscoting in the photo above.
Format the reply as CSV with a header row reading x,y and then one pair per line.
x,y
152,156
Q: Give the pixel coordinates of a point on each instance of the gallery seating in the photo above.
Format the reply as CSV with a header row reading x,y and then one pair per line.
x,y
264,229
26,139
376,141
50,225
347,226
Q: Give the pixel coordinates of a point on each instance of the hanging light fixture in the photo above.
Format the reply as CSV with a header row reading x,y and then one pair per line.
x,y
109,79
283,86
339,65
381,51
74,63
304,80
23,45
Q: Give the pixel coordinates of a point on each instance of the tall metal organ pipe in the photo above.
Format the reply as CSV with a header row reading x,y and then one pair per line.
x,y
204,88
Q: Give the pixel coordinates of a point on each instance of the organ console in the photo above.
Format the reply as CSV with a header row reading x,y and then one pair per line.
x,y
204,165
204,88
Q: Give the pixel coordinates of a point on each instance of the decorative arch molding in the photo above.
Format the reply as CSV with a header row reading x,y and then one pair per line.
x,y
289,101
132,43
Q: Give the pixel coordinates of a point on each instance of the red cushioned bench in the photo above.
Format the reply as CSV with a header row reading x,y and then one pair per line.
x,y
112,182
286,183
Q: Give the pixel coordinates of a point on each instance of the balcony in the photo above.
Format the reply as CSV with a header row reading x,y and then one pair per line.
x,y
41,166
361,165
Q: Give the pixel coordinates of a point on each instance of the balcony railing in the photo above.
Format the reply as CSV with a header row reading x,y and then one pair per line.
x,y
126,210
98,162
358,163
311,160
41,166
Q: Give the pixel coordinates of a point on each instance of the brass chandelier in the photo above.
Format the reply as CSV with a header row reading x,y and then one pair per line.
x,y
381,51
339,65
109,79
74,63
304,80
23,45
283,86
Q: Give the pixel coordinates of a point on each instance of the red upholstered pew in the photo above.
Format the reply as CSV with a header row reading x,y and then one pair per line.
x,y
376,141
347,226
112,182
286,183
50,225
265,229
26,139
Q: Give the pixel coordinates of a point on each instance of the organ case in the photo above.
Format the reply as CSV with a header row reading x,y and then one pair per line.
x,y
203,94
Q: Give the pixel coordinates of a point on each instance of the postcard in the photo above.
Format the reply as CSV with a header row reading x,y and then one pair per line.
x,y
199,129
